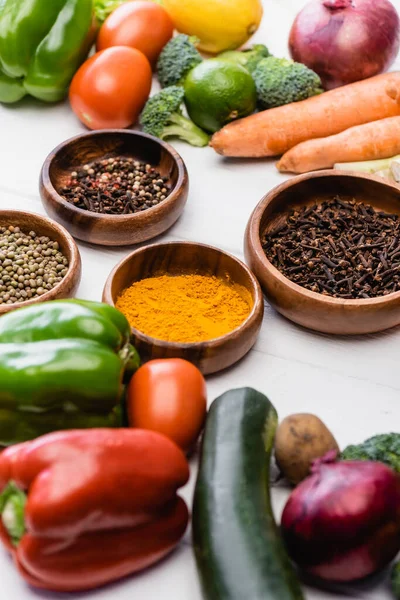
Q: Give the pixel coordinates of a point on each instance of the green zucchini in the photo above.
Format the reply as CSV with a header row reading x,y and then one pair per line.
x,y
238,548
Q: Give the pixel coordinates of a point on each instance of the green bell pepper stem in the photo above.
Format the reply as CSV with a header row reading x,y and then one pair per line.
x,y
61,319
131,359
123,409
12,510
11,90
61,375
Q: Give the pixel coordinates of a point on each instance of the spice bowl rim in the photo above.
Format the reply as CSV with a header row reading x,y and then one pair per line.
x,y
68,285
254,227
47,183
120,229
210,356
250,317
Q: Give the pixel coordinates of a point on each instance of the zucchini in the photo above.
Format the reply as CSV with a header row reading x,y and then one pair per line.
x,y
238,548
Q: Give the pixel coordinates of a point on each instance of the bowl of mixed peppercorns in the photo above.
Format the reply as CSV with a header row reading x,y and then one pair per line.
x,y
39,260
114,187
325,247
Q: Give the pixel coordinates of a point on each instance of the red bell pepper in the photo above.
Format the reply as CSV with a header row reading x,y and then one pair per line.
x,y
83,508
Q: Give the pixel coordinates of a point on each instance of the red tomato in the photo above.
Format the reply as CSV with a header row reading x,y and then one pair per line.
x,y
143,25
169,396
111,88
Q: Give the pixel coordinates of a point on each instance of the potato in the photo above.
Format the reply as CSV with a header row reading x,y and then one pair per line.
x,y
300,439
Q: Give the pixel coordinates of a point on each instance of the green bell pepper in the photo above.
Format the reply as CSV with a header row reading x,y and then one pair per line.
x,y
62,366
42,44
66,319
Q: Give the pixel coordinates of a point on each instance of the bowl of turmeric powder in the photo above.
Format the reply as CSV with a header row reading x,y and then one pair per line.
x,y
188,300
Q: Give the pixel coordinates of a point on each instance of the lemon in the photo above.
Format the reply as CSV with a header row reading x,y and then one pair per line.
x,y
219,24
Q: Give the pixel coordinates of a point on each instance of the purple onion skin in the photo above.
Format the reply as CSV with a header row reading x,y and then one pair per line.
x,y
346,40
343,522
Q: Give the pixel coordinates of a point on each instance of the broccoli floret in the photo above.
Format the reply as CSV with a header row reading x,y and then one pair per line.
x,y
395,580
281,81
162,117
103,8
177,58
254,55
383,448
248,59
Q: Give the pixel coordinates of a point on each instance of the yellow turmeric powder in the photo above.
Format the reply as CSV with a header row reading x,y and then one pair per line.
x,y
185,308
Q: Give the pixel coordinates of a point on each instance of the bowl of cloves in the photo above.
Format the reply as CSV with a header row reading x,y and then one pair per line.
x,y
114,187
325,247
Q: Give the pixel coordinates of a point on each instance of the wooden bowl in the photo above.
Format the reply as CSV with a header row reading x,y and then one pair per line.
x,y
43,226
186,257
113,230
313,310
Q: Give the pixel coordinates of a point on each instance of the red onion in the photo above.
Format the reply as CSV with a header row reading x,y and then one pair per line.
x,y
343,522
346,40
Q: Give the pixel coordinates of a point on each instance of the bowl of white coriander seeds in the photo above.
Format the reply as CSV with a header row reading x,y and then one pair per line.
x,y
39,260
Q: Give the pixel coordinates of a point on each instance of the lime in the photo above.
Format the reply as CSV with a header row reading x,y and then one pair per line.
x,y
218,92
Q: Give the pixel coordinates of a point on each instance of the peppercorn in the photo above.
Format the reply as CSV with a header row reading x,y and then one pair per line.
x,y
115,186
30,265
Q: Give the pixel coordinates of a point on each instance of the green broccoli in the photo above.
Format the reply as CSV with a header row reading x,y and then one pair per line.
x,y
395,580
162,117
103,8
177,58
281,81
248,58
383,448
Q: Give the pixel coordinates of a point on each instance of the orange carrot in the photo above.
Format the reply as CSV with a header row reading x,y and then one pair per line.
x,y
380,139
273,132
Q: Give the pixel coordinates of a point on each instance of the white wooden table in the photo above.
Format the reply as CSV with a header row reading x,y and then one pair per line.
x,y
353,384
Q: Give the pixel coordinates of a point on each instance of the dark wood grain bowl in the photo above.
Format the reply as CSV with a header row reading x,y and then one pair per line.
x,y
187,257
113,230
313,310
43,226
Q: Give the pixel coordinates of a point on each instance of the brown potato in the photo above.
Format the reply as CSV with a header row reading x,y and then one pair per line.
x,y
300,439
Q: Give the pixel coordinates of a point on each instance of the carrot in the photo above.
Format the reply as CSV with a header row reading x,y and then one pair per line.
x,y
273,132
380,139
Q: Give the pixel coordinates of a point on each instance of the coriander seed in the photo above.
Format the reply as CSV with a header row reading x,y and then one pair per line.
x,y
25,262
